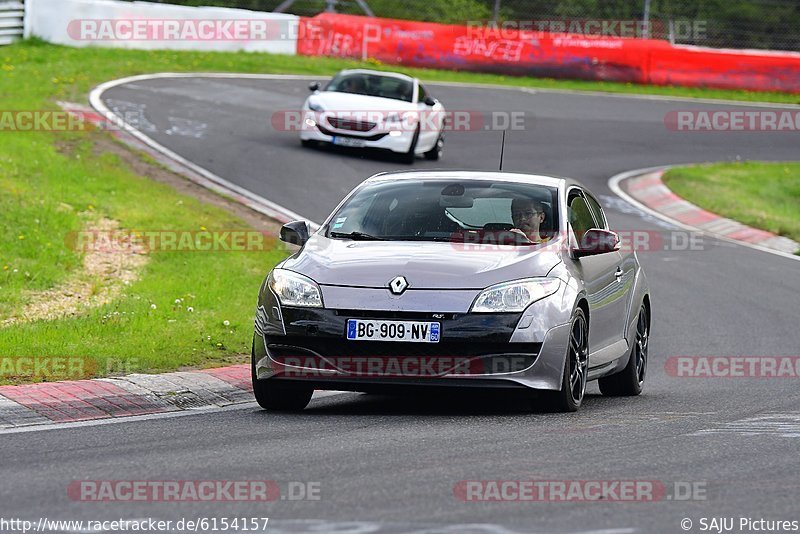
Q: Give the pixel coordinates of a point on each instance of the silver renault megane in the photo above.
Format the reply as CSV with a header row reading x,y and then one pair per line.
x,y
436,279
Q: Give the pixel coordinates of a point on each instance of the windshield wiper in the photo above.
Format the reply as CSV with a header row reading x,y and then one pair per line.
x,y
355,236
420,238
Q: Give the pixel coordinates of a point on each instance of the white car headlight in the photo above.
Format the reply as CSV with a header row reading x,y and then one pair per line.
x,y
313,106
294,289
514,296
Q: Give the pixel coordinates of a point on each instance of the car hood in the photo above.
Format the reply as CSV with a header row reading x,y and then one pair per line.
x,y
428,265
332,101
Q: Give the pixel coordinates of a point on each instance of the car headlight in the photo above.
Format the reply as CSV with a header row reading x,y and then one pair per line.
x,y
313,106
294,289
514,296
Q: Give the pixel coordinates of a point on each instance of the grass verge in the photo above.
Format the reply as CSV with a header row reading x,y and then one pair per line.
x,y
70,72
54,183
758,194
184,309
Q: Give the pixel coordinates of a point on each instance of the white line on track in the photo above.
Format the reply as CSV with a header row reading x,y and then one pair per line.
x,y
613,184
281,212
150,417
272,209
284,214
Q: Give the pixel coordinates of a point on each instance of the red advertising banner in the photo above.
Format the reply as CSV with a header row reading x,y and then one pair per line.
x,y
544,54
755,70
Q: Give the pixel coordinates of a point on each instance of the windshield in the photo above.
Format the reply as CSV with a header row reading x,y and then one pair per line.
x,y
373,85
449,210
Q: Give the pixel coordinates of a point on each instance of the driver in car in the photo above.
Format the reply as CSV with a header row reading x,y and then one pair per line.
x,y
353,84
528,215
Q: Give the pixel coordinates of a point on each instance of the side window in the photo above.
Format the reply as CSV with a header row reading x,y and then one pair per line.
x,y
580,216
422,93
598,211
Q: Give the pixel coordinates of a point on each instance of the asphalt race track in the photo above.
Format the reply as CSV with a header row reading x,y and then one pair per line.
x,y
390,465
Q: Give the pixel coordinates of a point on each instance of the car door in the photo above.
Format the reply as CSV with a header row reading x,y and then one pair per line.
x,y
627,264
602,279
431,118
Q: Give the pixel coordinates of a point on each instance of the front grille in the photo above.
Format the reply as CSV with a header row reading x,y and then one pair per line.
x,y
351,124
389,314
373,137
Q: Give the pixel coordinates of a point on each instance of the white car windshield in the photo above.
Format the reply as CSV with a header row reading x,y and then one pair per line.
x,y
449,210
373,85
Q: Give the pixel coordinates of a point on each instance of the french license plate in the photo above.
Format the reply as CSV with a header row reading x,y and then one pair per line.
x,y
348,141
413,331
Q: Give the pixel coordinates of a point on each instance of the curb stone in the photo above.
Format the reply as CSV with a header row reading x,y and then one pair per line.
x,y
649,190
136,394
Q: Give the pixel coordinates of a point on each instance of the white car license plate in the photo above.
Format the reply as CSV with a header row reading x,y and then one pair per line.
x,y
348,141
409,331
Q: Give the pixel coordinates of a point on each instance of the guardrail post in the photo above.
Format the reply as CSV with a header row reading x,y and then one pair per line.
x,y
27,19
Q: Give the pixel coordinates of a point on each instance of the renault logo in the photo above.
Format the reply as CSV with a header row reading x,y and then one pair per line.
x,y
398,285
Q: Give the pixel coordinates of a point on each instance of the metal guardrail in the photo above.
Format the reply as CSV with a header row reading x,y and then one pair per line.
x,y
12,22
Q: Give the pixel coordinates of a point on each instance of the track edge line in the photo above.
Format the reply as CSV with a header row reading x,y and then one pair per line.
x,y
614,185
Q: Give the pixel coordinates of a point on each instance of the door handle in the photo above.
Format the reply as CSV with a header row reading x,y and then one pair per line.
x,y
618,274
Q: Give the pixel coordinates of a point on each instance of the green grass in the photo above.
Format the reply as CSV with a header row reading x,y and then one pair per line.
x,y
47,194
53,183
758,194
68,73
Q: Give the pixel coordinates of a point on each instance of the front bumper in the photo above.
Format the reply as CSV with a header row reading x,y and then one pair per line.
x,y
376,140
478,350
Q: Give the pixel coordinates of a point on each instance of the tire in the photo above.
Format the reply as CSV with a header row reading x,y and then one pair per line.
x,y
279,396
410,156
435,153
576,368
630,381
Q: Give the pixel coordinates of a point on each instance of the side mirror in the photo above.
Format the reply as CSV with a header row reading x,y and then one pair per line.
x,y
596,241
295,232
428,101
313,86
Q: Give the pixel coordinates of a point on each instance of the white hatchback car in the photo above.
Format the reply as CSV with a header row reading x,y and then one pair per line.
x,y
373,109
